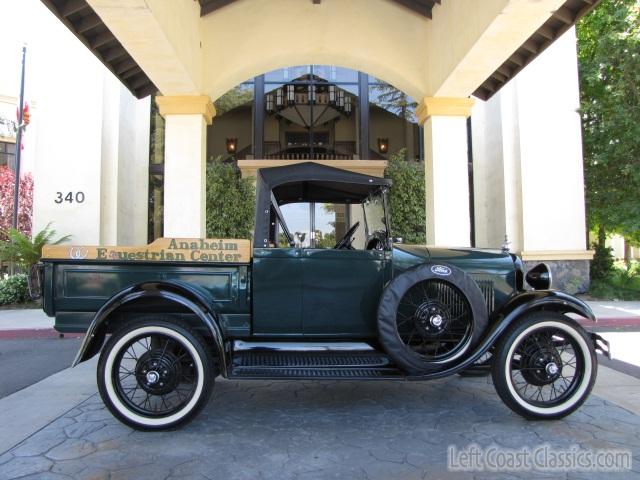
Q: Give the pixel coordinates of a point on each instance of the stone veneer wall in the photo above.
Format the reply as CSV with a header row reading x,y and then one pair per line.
x,y
570,276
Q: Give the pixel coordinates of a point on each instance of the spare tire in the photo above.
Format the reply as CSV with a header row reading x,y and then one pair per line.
x,y
429,316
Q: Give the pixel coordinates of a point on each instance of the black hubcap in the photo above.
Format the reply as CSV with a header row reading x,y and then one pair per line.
x,y
542,365
158,373
432,318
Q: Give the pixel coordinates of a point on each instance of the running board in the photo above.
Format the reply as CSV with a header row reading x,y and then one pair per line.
x,y
327,365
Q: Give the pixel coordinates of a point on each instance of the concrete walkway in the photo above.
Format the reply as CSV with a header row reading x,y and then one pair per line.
x,y
29,319
25,412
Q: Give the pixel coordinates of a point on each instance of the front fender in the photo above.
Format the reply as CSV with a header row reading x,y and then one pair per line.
x,y
189,296
533,300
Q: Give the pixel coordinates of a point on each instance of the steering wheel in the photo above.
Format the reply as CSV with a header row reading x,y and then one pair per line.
x,y
345,241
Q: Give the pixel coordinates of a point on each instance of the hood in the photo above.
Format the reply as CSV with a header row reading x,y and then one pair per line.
x,y
469,259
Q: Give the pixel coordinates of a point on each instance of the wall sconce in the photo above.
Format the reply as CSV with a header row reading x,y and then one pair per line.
x,y
383,145
232,145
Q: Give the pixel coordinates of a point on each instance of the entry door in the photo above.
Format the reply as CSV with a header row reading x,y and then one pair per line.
x,y
340,291
277,292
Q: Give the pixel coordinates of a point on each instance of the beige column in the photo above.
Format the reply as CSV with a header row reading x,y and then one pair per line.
x,y
186,120
446,169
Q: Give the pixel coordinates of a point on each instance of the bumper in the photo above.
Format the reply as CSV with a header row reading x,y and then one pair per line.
x,y
601,345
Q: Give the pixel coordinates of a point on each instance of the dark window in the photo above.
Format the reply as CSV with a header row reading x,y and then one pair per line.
x,y
8,154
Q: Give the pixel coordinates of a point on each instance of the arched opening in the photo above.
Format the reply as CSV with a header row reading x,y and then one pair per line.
x,y
314,112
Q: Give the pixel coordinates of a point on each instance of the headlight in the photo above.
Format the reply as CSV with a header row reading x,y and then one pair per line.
x,y
539,277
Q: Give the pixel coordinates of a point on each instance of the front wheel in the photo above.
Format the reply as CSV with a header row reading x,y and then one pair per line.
x,y
155,374
544,366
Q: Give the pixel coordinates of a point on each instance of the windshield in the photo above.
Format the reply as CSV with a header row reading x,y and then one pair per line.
x,y
323,225
374,213
314,225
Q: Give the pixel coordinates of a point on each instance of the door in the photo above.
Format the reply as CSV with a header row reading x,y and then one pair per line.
x,y
340,292
277,292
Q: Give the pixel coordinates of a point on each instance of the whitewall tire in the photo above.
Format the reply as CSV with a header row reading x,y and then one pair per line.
x,y
155,374
544,366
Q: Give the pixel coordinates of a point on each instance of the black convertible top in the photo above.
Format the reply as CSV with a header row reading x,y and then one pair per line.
x,y
308,182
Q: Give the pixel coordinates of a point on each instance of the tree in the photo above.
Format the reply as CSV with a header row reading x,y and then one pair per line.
x,y
396,101
407,199
230,202
235,97
25,202
609,62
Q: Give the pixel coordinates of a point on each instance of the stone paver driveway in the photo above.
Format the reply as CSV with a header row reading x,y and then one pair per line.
x,y
316,430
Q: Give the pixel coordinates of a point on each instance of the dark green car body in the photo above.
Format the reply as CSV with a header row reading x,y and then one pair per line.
x,y
283,292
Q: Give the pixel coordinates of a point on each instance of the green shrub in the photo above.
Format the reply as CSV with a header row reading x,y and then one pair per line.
x,y
622,283
407,199
626,276
25,251
602,263
14,289
230,202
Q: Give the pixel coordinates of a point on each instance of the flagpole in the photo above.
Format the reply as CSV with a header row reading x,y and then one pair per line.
x,y
16,187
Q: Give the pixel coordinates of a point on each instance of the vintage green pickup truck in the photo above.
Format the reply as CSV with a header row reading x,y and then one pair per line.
x,y
352,303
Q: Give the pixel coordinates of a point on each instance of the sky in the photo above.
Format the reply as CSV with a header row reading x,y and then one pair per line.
x,y
26,22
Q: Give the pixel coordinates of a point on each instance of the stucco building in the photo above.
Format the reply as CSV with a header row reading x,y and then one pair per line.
x,y
484,92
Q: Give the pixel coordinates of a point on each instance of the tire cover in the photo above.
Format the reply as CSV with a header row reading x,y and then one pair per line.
x,y
388,335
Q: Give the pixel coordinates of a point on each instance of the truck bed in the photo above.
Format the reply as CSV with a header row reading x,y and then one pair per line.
x,y
74,289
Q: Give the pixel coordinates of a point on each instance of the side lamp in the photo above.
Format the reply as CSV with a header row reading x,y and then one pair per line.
x,y
232,145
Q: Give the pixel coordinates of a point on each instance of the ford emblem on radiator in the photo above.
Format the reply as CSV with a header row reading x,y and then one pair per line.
x,y
441,270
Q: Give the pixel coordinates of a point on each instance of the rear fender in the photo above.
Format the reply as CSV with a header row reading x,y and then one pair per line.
x,y
517,306
189,296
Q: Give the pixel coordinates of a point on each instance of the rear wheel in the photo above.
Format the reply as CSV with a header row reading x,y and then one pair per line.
x,y
155,374
544,366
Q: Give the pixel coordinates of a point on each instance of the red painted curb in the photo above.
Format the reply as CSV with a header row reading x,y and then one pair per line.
x,y
612,322
34,333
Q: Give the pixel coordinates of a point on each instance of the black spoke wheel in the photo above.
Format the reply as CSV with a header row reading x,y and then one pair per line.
x,y
545,366
430,317
155,381
434,320
155,374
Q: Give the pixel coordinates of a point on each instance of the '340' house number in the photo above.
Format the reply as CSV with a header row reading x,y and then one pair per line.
x,y
70,197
